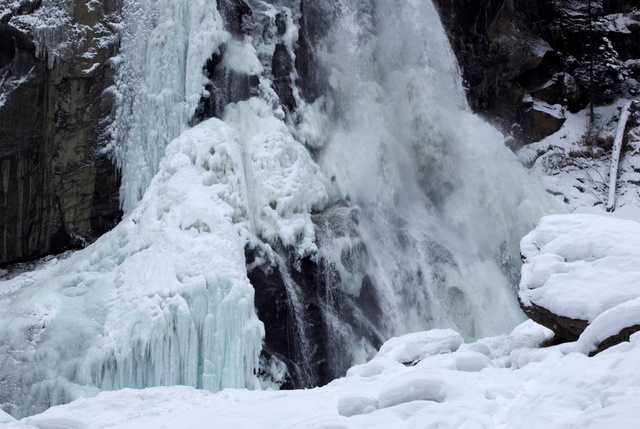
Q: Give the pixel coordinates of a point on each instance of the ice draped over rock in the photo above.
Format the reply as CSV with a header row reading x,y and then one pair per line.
x,y
435,206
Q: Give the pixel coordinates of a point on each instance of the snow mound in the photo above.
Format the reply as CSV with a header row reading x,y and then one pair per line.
x,y
357,404
425,385
412,348
579,266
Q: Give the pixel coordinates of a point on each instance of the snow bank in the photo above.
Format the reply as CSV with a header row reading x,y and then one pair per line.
x,y
553,387
580,266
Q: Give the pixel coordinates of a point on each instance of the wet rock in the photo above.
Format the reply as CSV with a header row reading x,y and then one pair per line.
x,y
299,301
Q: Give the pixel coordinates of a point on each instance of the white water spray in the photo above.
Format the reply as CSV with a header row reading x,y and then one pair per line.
x,y
443,202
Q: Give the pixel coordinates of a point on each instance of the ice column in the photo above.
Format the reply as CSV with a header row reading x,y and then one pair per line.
x,y
165,44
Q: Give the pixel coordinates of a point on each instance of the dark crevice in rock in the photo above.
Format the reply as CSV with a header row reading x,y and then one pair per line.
x,y
225,86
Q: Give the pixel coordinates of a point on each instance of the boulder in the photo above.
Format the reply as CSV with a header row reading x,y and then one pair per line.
x,y
580,278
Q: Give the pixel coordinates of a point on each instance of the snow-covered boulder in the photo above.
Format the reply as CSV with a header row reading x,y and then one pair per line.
x,y
581,272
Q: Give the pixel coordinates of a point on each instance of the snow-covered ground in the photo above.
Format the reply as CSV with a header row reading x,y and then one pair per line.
x,y
423,380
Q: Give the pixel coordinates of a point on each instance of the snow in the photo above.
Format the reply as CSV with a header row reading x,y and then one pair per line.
x,y
557,111
416,347
523,386
241,57
581,265
610,323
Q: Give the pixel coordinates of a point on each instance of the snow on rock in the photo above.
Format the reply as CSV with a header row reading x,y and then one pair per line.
x,y
552,387
581,270
579,266
574,163
611,327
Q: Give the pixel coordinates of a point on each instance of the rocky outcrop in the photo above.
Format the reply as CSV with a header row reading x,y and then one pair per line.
x,y
526,62
59,188
618,338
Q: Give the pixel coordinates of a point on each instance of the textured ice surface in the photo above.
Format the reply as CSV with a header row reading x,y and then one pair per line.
x,y
164,47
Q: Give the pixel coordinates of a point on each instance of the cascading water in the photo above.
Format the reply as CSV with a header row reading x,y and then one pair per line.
x,y
407,207
442,204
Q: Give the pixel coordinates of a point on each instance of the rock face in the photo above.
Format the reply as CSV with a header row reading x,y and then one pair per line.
x,y
525,63
59,189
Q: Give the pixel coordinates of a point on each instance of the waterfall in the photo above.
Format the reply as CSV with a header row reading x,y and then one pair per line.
x,y
374,173
442,203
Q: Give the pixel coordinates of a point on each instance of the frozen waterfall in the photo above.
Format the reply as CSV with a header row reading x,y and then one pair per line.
x,y
407,205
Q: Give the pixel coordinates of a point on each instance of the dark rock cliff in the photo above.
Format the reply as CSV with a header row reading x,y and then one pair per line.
x,y
525,63
59,190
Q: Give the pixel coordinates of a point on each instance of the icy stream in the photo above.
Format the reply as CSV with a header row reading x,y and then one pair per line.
x,y
165,299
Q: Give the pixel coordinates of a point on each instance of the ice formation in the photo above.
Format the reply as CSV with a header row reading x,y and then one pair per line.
x,y
165,299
